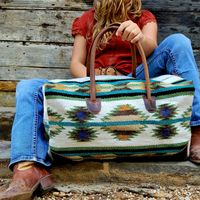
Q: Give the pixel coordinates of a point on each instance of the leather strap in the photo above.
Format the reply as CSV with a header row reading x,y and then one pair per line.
x,y
133,52
110,70
93,103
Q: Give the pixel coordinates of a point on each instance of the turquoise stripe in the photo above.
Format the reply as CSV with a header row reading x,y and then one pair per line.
x,y
98,94
66,92
118,98
142,91
120,153
66,83
114,82
119,123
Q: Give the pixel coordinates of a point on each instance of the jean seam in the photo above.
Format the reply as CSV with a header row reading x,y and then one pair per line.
x,y
170,55
173,61
35,121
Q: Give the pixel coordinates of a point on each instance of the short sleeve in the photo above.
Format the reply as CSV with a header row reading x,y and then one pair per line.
x,y
147,17
76,27
82,24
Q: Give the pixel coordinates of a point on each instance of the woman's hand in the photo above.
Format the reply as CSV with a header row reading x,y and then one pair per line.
x,y
147,37
130,31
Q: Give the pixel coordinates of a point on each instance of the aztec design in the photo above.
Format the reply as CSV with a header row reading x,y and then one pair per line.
x,y
124,113
80,114
156,85
84,89
56,130
121,86
123,128
186,124
165,112
83,134
54,116
166,131
108,86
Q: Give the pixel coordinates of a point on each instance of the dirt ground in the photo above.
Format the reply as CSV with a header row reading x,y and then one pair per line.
x,y
116,192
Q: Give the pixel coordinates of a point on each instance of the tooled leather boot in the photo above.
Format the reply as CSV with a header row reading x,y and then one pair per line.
x,y
195,145
28,182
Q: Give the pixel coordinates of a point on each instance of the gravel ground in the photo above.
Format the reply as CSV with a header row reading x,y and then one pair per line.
x,y
116,192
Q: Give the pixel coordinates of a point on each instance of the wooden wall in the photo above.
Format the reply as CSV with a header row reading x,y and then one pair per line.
x,y
36,42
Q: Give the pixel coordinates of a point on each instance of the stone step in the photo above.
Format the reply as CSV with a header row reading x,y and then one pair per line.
x,y
6,120
164,173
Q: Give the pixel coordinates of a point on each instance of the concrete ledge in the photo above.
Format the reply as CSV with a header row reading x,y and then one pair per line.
x,y
164,173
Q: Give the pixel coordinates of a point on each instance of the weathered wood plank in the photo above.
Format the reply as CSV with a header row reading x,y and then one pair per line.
x,y
37,26
154,5
47,4
187,24
35,55
192,33
20,61
19,73
55,26
172,5
8,86
7,99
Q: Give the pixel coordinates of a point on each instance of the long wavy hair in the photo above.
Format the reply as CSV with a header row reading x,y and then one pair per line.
x,y
108,12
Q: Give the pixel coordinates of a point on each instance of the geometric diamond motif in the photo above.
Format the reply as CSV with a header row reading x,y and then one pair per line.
x,y
55,130
124,133
119,87
186,114
82,134
80,114
54,116
156,85
165,112
125,113
166,131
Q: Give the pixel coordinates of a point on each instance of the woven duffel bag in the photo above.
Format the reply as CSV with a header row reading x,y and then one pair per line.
x,y
112,117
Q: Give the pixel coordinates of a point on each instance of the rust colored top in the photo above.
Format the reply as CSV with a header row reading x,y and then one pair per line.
x,y
116,53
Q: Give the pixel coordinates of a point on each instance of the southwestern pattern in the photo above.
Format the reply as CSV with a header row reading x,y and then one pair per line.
x,y
123,128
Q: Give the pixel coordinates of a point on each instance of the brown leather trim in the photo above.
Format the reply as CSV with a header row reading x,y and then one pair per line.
x,y
149,105
93,106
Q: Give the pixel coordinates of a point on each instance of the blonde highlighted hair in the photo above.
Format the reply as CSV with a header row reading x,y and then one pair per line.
x,y
108,12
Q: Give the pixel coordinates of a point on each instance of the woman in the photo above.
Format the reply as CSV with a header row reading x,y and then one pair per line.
x,y
29,149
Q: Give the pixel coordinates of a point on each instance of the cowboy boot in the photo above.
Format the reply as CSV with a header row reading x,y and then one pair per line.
x,y
195,145
27,181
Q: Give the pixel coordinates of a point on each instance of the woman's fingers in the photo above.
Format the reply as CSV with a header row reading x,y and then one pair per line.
x,y
137,38
121,28
133,34
129,31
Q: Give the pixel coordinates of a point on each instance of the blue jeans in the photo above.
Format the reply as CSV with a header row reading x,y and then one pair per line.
x,y
28,142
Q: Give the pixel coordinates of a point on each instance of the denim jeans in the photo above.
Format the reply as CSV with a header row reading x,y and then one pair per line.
x,y
28,142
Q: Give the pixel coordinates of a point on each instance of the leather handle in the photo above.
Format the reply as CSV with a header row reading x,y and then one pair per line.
x,y
93,103
93,50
